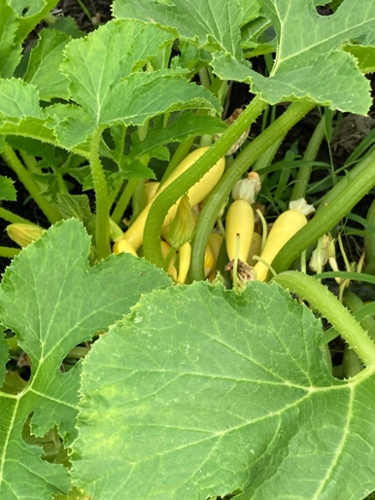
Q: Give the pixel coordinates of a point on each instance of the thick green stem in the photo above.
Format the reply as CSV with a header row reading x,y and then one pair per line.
x,y
174,191
266,158
9,252
124,200
11,217
320,298
101,194
347,192
29,161
241,164
52,214
370,266
370,239
303,175
354,303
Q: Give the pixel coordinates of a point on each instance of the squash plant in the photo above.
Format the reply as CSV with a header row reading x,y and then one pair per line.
x,y
190,391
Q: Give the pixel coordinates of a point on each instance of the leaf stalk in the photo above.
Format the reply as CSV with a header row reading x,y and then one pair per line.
x,y
161,205
241,164
52,214
347,192
101,194
320,298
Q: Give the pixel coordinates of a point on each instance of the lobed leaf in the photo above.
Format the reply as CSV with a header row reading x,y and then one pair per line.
x,y
200,393
31,12
309,63
18,100
109,84
10,49
212,24
365,56
43,70
53,300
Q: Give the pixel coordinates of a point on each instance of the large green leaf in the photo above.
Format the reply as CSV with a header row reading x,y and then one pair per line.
x,y
18,100
201,392
31,12
10,49
106,78
309,63
53,300
43,68
211,24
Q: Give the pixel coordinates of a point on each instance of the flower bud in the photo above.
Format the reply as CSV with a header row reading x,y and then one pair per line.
x,y
24,234
182,226
319,257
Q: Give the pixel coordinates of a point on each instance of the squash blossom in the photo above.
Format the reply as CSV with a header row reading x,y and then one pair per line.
x,y
24,234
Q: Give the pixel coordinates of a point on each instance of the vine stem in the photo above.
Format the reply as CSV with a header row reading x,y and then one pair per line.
x,y
161,205
303,175
101,194
123,201
241,164
52,214
9,252
342,198
326,303
12,218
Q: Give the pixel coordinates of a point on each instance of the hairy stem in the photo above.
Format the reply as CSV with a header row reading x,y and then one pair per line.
x,y
303,175
9,252
124,200
11,217
101,194
240,165
52,214
327,304
347,192
176,189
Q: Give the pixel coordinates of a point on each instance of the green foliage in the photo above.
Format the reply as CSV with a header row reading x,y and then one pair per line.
x,y
187,392
217,394
54,301
7,190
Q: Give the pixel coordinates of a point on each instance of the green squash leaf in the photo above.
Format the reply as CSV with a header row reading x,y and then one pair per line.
x,y
53,300
110,85
201,392
309,63
212,24
19,100
43,69
10,49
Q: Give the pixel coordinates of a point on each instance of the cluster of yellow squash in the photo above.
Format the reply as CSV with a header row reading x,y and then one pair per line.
x,y
132,238
239,225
